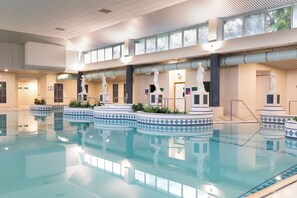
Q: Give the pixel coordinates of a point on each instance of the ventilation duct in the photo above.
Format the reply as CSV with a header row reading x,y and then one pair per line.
x,y
225,61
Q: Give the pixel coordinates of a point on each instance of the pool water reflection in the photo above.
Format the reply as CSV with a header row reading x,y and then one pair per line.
x,y
51,156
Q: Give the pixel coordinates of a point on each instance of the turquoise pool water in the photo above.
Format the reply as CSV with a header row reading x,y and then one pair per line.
x,y
51,156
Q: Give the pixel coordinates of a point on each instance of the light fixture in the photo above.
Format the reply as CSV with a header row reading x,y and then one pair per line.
x,y
126,59
6,70
212,46
105,11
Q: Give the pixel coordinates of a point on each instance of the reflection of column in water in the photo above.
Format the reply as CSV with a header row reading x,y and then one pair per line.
x,y
104,134
200,148
83,129
271,144
156,142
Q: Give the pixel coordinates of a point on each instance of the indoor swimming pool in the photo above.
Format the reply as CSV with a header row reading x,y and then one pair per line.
x,y
50,155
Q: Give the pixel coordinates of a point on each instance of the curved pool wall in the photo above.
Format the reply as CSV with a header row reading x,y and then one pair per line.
x,y
124,113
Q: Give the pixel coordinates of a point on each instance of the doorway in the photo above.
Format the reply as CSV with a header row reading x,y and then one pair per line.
x,y
179,96
27,92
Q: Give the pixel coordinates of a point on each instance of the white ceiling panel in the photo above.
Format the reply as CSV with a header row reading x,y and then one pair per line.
x,y
77,17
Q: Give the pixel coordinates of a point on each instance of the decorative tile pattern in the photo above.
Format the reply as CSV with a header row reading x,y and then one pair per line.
x,y
173,121
284,175
274,119
291,143
291,129
115,116
40,108
78,112
272,126
173,129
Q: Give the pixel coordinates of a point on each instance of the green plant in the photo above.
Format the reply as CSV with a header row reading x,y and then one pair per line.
x,y
137,107
39,101
295,119
74,104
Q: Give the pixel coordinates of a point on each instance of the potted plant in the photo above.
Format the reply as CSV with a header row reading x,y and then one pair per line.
x,y
40,105
291,128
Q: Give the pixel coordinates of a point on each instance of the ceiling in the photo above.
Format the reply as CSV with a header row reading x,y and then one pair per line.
x,y
77,17
86,28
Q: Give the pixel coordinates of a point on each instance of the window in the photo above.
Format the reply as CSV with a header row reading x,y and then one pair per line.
x,y
150,45
115,92
3,125
233,28
295,15
162,42
117,52
175,40
101,55
139,47
203,34
94,56
2,92
254,24
278,19
108,53
58,92
190,37
87,58
58,121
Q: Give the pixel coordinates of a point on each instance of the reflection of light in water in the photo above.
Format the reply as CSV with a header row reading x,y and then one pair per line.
x,y
6,148
278,178
107,140
63,139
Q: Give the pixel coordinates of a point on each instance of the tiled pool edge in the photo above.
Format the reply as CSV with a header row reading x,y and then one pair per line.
x,y
272,185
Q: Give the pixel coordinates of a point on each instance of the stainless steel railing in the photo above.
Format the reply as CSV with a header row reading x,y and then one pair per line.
x,y
231,109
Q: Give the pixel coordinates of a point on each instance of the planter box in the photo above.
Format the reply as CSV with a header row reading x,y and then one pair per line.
x,y
291,129
78,111
173,119
40,107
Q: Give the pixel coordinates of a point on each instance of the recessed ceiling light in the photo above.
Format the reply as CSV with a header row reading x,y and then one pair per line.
x,y
6,70
60,29
105,11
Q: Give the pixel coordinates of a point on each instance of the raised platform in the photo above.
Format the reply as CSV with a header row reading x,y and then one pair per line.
x,y
291,129
40,107
78,111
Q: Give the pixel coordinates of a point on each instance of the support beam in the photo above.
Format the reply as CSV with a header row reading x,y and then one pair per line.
x,y
79,74
214,80
129,84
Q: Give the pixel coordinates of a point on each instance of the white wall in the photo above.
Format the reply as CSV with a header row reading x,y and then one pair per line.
x,y
45,55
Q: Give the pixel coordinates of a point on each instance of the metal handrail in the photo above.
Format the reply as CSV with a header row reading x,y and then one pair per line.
x,y
291,101
231,109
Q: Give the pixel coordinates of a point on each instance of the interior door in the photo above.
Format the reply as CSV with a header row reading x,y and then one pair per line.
x,y
179,95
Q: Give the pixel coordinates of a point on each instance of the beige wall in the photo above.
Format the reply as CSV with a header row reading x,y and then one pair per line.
x,y
292,91
142,81
228,88
11,87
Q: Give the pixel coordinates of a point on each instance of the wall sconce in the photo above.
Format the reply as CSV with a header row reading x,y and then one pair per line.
x,y
126,59
212,46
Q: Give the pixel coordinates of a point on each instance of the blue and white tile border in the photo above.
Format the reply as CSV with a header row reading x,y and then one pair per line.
x,y
291,129
275,119
40,107
78,111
